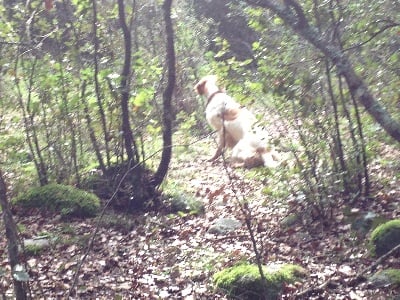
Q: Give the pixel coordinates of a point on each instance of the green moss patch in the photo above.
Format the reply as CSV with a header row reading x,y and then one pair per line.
x,y
36,246
385,237
180,201
185,203
394,276
243,281
63,199
384,278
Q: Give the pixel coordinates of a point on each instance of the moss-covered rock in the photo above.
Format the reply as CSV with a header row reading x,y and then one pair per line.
x,y
388,277
385,237
35,246
363,222
243,281
290,220
63,199
224,226
185,203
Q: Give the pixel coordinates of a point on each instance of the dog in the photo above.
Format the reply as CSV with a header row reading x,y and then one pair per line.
x,y
231,121
234,125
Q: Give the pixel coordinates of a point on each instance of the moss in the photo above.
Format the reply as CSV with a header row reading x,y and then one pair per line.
x,y
122,223
243,281
290,220
186,204
33,250
180,199
98,184
385,237
78,240
385,278
393,275
63,199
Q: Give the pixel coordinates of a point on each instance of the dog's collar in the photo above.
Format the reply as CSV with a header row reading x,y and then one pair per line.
x,y
212,96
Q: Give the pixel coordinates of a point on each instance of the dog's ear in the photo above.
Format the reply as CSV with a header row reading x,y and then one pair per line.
x,y
199,87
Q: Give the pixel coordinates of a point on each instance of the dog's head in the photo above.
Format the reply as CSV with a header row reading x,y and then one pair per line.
x,y
201,88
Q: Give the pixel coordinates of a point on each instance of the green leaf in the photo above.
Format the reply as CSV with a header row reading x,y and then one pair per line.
x,y
256,46
278,21
141,98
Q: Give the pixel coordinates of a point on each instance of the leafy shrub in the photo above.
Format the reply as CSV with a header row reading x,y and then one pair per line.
x,y
243,281
63,199
385,237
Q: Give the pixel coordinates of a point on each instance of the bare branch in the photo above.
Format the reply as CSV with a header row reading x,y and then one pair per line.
x,y
373,36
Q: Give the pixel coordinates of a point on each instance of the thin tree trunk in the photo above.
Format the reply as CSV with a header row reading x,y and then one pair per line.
x,y
353,137
30,129
130,147
97,85
293,15
167,96
337,139
367,185
92,134
73,160
12,239
137,177
43,176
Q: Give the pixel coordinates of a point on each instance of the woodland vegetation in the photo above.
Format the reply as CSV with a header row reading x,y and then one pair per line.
x,y
98,95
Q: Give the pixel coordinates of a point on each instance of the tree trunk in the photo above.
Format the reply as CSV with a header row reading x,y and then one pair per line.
x,y
12,239
130,146
293,15
167,96
90,127
99,97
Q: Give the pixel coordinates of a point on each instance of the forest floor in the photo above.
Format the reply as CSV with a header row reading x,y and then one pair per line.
x,y
158,255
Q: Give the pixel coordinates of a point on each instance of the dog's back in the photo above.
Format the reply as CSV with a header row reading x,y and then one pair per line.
x,y
241,125
237,120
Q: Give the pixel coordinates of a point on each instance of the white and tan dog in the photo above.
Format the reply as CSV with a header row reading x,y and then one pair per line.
x,y
233,124
231,121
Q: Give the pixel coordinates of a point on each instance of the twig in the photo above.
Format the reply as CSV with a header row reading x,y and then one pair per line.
x,y
374,35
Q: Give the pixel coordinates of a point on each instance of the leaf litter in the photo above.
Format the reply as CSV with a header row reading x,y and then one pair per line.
x,y
169,257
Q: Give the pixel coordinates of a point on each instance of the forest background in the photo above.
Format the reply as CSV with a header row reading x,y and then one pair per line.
x,y
95,90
